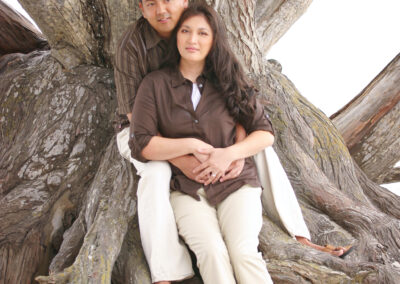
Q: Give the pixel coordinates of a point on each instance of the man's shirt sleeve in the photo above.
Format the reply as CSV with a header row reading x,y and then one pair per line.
x,y
127,76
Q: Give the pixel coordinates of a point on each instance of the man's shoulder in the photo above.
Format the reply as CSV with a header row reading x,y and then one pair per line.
x,y
133,33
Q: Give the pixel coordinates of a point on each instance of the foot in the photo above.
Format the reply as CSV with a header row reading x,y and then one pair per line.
x,y
335,251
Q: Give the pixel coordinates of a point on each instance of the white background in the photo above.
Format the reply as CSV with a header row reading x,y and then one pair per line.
x,y
335,49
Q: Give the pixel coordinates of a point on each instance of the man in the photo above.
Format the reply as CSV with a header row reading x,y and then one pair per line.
x,y
140,51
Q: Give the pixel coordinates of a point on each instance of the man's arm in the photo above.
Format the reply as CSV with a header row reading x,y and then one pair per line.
x,y
127,73
187,164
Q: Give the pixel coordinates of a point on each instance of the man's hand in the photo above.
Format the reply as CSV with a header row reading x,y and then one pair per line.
x,y
129,116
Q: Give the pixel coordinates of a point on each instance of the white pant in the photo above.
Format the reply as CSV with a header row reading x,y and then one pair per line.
x,y
278,198
224,237
167,257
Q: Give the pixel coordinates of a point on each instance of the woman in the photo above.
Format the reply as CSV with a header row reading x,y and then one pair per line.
x,y
193,108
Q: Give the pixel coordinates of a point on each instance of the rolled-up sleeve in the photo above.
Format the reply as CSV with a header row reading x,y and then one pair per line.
x,y
259,120
144,119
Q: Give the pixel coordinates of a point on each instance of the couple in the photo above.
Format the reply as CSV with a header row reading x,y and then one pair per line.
x,y
194,113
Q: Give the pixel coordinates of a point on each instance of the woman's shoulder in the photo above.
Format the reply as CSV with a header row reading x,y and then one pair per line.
x,y
159,75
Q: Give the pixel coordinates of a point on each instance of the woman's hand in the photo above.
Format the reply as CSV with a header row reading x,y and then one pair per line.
x,y
234,170
215,167
198,144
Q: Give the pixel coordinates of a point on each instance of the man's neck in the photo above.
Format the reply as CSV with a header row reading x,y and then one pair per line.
x,y
191,70
165,36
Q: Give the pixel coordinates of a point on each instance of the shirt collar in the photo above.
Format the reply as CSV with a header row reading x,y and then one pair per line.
x,y
178,79
151,37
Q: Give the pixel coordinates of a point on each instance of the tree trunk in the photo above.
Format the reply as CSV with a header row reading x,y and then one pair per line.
x,y
370,123
68,198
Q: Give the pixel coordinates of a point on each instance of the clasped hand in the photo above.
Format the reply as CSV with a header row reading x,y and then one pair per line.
x,y
216,164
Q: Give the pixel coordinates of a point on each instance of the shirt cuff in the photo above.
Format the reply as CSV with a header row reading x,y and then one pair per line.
x,y
137,143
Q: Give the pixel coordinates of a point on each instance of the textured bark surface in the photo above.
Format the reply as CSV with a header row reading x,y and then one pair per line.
x,y
68,198
54,128
370,125
82,32
17,34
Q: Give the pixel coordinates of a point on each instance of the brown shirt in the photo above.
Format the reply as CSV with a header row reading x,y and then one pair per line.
x,y
140,51
163,105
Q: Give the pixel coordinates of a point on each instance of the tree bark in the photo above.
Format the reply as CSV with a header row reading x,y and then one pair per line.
x,y
370,122
68,198
82,32
17,34
392,176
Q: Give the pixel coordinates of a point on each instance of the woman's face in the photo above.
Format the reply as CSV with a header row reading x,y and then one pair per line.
x,y
194,39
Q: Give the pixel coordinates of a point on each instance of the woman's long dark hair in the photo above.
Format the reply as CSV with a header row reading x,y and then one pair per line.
x,y
222,67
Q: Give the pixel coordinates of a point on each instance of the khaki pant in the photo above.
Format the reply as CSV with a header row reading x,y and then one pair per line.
x,y
223,237
167,257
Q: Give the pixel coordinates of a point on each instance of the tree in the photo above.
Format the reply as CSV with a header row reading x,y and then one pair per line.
x,y
68,198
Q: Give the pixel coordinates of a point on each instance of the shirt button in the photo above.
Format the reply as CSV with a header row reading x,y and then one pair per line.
x,y
200,85
196,121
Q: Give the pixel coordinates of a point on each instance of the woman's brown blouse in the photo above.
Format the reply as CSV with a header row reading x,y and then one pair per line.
x,y
163,105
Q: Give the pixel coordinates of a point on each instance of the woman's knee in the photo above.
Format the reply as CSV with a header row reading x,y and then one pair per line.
x,y
244,255
212,251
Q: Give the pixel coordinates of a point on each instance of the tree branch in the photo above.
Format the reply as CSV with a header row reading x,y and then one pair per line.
x,y
392,176
274,18
369,123
17,34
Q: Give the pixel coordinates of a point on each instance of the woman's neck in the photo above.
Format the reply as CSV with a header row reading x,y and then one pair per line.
x,y
191,70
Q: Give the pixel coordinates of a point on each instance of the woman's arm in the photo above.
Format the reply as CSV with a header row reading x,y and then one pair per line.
x,y
236,167
221,158
161,148
251,145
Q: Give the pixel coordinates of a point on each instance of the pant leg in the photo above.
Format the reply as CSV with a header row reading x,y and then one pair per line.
x,y
167,256
240,219
198,225
278,197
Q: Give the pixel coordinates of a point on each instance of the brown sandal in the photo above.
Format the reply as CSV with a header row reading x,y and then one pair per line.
x,y
346,249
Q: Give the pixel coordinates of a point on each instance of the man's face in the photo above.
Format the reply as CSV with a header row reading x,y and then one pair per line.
x,y
163,15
